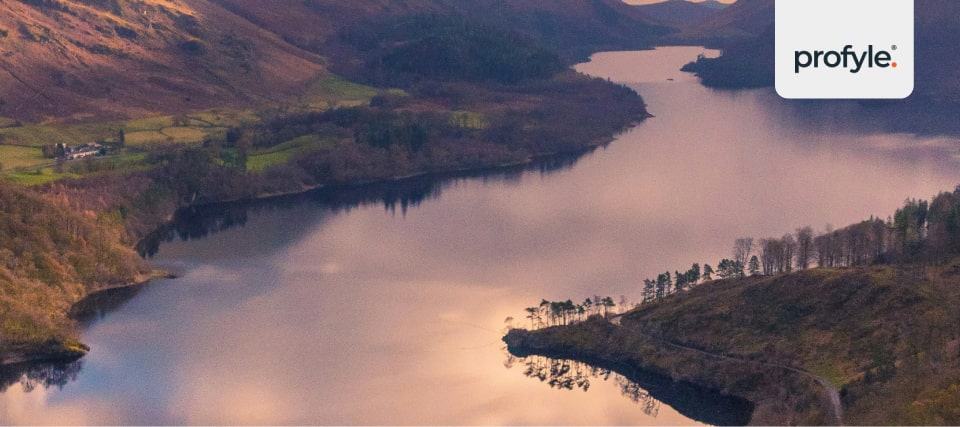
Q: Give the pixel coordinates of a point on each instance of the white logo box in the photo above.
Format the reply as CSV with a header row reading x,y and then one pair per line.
x,y
806,27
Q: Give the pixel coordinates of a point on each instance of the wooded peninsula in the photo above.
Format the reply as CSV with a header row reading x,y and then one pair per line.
x,y
828,328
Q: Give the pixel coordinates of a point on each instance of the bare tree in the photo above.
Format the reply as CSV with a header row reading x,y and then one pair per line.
x,y
789,251
742,248
804,247
770,250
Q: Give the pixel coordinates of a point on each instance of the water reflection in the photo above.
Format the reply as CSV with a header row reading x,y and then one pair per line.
x,y
646,389
567,374
199,222
33,376
97,305
875,116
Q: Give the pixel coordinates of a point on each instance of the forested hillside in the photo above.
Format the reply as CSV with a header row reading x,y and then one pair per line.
x,y
866,337
112,59
50,257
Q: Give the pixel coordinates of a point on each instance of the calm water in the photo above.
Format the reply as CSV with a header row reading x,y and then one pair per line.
x,y
320,312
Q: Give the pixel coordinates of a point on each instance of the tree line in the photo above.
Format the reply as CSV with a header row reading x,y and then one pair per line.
x,y
919,233
561,313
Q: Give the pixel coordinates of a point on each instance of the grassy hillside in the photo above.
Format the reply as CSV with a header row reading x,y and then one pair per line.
x,y
85,60
886,337
870,337
91,60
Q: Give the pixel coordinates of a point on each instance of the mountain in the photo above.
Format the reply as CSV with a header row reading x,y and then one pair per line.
x,y
574,28
87,60
104,59
745,18
713,4
681,12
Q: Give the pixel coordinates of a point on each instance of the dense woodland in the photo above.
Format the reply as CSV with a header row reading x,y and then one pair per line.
x,y
50,257
401,50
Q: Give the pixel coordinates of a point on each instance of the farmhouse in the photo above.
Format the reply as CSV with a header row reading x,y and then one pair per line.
x,y
81,151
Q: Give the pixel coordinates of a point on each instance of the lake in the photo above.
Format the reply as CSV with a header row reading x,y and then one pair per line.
x,y
386,305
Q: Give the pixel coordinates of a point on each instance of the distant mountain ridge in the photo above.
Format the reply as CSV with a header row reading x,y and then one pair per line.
x,y
574,28
745,18
714,4
681,12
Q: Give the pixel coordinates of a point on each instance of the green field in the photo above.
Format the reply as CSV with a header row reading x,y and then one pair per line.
x,y
147,137
36,177
12,157
334,91
283,153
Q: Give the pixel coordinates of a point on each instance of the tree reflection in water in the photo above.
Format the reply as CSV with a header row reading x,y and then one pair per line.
x,y
567,374
30,376
198,222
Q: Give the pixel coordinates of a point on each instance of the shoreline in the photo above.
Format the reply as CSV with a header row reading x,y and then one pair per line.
x,y
601,343
529,160
56,350
709,405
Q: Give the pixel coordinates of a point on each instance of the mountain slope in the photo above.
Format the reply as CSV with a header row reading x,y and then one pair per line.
x,y
111,58
574,28
680,12
714,4
743,18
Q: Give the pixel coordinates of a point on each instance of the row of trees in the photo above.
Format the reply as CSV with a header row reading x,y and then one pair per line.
x,y
920,232
666,284
555,313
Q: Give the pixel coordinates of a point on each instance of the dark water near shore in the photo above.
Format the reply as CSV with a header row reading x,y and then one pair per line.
x,y
385,305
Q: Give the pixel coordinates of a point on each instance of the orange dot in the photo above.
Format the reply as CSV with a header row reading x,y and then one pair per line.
x,y
894,65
